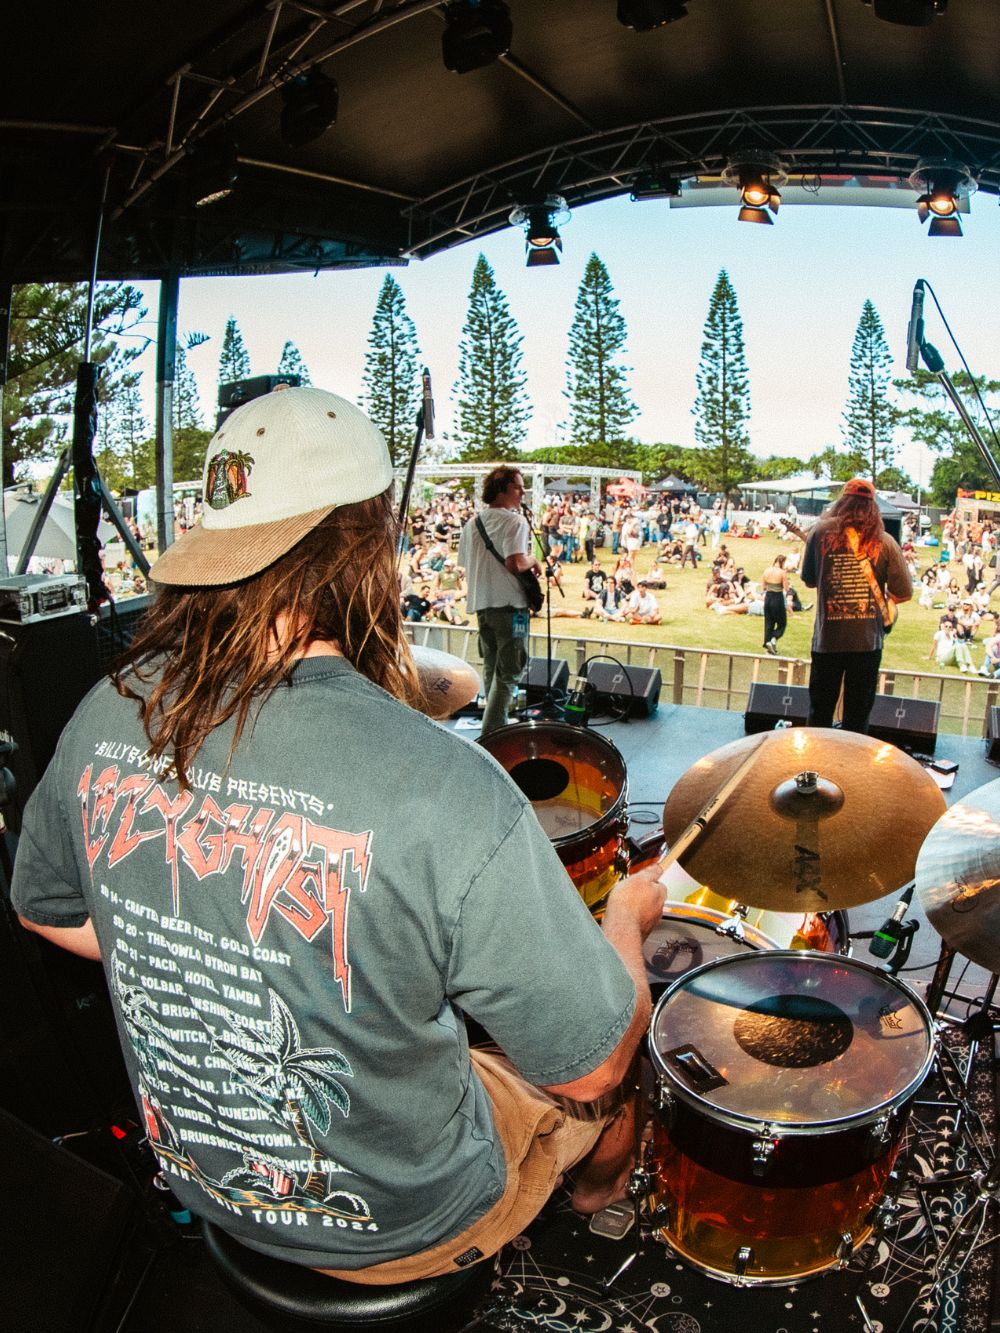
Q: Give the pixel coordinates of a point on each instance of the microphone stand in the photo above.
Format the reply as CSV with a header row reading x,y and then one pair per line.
x,y
550,709
425,417
934,362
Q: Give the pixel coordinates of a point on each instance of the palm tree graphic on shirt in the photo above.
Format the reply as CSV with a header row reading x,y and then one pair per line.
x,y
300,1084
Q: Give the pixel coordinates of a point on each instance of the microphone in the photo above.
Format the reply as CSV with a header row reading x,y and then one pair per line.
x,y
428,397
915,329
887,936
577,707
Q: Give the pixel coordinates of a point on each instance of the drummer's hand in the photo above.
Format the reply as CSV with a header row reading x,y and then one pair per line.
x,y
640,895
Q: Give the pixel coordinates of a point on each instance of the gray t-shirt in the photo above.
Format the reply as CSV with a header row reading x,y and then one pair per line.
x,y
287,946
490,584
848,619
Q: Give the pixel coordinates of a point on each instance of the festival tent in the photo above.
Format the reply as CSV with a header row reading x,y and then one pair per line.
x,y
673,485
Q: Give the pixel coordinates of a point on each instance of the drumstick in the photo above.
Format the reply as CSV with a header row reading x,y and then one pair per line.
x,y
708,811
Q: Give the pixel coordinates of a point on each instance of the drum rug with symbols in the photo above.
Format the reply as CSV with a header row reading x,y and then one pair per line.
x,y
553,1277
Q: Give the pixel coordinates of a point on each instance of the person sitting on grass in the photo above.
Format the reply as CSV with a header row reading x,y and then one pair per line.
x,y
655,577
609,604
642,608
593,585
948,650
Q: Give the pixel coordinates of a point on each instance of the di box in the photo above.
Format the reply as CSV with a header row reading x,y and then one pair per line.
x,y
993,735
912,724
533,680
770,704
634,687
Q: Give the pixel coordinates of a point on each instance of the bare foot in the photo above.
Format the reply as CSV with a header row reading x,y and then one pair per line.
x,y
587,1198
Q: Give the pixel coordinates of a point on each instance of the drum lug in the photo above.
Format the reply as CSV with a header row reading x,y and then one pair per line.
x,y
661,1215
884,1213
665,1102
845,1250
880,1129
742,1260
762,1150
640,1184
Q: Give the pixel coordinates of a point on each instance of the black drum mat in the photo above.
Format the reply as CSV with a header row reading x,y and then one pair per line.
x,y
553,1278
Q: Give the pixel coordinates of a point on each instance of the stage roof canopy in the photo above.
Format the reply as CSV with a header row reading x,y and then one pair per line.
x,y
420,158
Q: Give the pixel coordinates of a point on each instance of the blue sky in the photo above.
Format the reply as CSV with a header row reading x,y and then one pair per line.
x,y
800,285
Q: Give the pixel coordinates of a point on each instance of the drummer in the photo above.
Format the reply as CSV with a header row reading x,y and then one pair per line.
x,y
230,824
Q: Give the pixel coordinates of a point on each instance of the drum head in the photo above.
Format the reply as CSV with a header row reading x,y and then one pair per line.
x,y
791,1038
688,936
572,777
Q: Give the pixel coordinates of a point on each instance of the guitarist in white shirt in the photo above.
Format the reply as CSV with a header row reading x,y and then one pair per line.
x,y
859,573
495,593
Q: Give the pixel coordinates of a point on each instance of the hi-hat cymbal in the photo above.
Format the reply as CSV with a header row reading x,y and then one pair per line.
x,y
958,876
448,683
850,836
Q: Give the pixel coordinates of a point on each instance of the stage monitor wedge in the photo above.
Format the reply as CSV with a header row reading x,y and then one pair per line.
x,y
769,705
912,724
620,688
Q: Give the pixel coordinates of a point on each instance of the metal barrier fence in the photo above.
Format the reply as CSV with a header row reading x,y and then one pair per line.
x,y
707,678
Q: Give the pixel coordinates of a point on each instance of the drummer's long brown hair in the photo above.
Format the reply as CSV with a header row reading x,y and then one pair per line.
x,y
859,512
205,655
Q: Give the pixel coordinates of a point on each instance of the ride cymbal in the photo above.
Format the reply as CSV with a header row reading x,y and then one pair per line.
x,y
958,876
448,683
820,820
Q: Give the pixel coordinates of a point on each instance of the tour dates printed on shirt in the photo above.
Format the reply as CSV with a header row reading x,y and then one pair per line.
x,y
233,1099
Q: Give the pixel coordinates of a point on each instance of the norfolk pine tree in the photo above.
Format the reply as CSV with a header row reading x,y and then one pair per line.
x,y
869,417
391,376
600,405
234,359
493,409
722,405
291,363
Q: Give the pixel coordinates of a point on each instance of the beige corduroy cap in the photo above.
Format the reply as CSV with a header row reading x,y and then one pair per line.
x,y
274,470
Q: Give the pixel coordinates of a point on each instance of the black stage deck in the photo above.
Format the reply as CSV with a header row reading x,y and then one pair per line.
x,y
151,1276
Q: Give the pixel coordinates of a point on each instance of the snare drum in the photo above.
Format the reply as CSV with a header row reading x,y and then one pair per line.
x,y
784,1083
577,784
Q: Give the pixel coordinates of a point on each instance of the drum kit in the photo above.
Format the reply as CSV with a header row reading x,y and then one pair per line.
x,y
782,1068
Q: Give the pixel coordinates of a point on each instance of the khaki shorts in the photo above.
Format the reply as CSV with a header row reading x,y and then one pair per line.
x,y
541,1136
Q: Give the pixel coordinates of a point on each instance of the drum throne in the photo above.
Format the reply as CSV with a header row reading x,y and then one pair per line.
x,y
289,1297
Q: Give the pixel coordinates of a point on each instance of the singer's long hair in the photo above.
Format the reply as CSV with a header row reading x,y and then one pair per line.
x,y
860,512
205,655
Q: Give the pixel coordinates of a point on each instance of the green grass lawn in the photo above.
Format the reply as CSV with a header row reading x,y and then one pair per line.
x,y
688,623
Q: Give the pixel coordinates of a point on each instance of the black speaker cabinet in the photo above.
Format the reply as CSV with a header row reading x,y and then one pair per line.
x,y
993,735
912,724
634,687
46,667
770,704
533,680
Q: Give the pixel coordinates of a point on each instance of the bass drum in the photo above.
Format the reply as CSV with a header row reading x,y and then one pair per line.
x,y
784,1082
578,787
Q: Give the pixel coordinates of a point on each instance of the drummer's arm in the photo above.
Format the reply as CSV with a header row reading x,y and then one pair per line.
x,y
634,907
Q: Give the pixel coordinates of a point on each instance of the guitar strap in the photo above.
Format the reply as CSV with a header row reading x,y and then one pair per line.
x,y
481,527
869,573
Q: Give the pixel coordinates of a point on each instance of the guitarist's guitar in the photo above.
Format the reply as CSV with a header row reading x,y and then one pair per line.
x,y
888,609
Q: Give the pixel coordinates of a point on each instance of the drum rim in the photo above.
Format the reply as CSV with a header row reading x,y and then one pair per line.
x,y
770,946
788,1128
612,815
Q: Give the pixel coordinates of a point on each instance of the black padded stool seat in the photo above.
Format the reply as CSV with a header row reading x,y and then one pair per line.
x,y
288,1296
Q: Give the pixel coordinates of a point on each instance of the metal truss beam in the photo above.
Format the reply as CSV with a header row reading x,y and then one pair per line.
x,y
812,142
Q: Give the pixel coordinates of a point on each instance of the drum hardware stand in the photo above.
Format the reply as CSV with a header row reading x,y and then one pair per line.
x,y
640,1184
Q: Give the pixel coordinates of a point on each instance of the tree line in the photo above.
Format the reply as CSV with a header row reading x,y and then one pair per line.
x,y
492,408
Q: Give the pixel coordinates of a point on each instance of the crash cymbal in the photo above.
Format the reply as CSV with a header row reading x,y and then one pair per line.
x,y
958,876
448,683
786,842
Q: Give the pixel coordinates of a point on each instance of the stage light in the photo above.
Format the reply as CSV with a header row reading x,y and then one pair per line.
x,y
311,102
757,177
945,185
909,13
477,32
541,221
214,169
645,15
